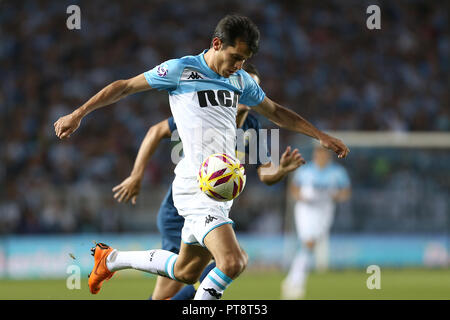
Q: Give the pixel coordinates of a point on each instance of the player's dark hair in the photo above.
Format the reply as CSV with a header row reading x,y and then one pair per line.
x,y
250,68
233,27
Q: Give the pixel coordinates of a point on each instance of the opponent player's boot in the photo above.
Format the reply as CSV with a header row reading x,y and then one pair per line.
x,y
100,272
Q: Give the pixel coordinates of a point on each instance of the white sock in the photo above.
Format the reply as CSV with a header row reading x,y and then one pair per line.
x,y
157,261
213,286
300,268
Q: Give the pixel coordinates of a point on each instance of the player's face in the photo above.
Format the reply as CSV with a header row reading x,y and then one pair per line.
x,y
321,156
232,58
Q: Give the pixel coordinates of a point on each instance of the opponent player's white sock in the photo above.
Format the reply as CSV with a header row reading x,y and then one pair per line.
x,y
213,285
157,261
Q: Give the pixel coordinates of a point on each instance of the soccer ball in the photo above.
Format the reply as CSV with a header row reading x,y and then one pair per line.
x,y
221,177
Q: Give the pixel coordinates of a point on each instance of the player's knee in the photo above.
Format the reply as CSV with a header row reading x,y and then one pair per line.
x,y
233,265
245,257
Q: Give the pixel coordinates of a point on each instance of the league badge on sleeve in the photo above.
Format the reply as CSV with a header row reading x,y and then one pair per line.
x,y
162,70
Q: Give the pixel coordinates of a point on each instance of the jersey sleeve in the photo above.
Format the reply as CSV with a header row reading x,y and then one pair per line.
x,y
252,94
165,76
172,124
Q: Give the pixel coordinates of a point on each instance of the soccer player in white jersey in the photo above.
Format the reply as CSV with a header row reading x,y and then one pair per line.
x,y
169,222
204,91
315,187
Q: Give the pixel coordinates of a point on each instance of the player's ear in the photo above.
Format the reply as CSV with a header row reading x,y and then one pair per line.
x,y
216,44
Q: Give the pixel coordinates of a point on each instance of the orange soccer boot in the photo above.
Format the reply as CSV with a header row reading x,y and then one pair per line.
x,y
100,272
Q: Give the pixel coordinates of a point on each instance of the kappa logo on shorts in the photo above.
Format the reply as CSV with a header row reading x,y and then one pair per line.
x,y
209,219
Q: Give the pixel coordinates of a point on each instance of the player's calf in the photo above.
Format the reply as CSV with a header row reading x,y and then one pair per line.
x,y
187,276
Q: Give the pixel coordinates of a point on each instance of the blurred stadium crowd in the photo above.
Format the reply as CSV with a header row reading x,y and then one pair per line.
x,y
317,58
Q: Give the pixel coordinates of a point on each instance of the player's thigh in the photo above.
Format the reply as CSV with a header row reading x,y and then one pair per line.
x,y
191,261
224,246
166,288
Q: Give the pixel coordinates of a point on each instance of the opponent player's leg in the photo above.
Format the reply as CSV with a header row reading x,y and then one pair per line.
x,y
230,260
166,288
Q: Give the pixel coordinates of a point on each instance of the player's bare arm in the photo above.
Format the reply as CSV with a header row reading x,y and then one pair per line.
x,y
289,161
241,114
129,188
288,119
110,94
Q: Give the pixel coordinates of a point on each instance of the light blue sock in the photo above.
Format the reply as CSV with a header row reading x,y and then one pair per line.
x,y
213,286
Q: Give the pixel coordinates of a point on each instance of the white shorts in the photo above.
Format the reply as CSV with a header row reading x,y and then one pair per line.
x,y
201,213
312,224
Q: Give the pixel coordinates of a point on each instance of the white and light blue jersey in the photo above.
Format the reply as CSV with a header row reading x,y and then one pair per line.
x,y
317,187
204,106
332,176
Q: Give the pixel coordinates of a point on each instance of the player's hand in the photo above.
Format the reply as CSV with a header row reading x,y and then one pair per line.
x,y
290,161
335,145
66,125
128,189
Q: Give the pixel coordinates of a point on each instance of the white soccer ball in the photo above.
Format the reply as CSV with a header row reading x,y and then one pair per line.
x,y
221,177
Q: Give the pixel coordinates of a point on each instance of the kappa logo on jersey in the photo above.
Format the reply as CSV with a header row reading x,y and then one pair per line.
x,y
194,76
213,292
209,219
223,98
162,70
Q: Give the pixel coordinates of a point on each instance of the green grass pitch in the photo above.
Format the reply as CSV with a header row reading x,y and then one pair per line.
x,y
253,285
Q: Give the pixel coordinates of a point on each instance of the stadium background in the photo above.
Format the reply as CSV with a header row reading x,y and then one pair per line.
x,y
317,58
